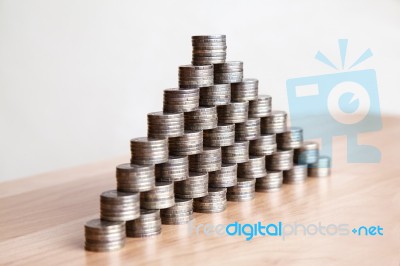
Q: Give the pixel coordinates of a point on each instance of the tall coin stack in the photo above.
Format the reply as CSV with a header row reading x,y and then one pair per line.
x,y
216,140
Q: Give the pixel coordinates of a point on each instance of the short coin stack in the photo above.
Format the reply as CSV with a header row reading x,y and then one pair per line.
x,y
244,190
178,101
218,94
119,206
321,168
164,125
148,224
161,197
196,76
215,201
103,235
208,49
176,169
216,140
180,213
246,90
228,72
271,182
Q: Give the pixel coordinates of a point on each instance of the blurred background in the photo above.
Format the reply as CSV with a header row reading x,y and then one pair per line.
x,y
77,78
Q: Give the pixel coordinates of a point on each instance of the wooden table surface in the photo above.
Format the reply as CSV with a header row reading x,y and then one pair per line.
x,y
42,218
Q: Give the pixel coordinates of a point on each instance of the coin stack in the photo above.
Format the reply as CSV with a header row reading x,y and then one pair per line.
x,y
264,145
298,174
195,186
228,72
225,177
260,107
201,119
161,197
222,135
280,160
321,168
274,123
237,153
292,138
176,169
163,125
135,178
191,142
243,191
196,76
216,139
207,161
307,154
178,101
272,182
148,224
248,130
218,94
180,213
118,206
208,49
149,151
103,235
215,201
253,168
235,112
246,90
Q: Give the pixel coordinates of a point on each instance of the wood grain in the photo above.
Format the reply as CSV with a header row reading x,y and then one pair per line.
x,y
42,217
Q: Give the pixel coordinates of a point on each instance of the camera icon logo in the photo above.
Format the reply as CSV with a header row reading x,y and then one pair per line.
x,y
339,104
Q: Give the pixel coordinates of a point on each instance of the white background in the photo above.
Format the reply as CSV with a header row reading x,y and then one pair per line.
x,y
77,78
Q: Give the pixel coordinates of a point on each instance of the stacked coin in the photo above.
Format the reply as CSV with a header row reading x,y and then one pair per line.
x,y
218,94
149,151
119,206
148,224
280,160
228,72
163,125
208,49
178,101
135,178
248,130
222,135
297,174
161,197
196,76
291,138
233,113
274,123
195,186
307,154
260,107
321,168
225,177
214,202
176,169
180,213
207,161
272,182
201,119
254,168
246,90
190,143
237,153
103,235
264,145
243,191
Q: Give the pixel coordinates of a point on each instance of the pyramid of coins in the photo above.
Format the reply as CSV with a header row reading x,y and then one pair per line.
x,y
216,140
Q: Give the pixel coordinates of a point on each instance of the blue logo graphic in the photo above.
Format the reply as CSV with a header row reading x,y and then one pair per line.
x,y
345,103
